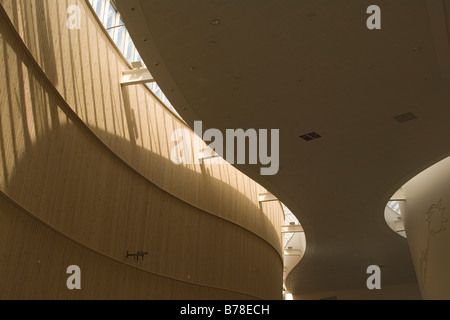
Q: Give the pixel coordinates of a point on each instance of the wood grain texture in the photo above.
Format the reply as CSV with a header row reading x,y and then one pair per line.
x,y
87,161
41,256
86,70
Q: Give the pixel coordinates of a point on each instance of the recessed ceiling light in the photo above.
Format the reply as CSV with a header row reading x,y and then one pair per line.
x,y
215,22
405,117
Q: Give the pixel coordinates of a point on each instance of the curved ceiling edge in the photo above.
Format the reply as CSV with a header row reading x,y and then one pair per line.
x,y
147,47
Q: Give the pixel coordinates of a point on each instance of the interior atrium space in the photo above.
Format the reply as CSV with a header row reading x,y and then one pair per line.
x,y
224,150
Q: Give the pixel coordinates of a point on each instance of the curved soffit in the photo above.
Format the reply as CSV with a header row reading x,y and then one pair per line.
x,y
303,66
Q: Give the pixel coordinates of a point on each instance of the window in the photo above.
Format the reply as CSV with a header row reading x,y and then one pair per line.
x,y
129,49
120,38
395,206
116,29
98,6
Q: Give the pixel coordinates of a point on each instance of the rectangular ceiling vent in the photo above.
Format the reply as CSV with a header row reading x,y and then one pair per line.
x,y
405,117
311,136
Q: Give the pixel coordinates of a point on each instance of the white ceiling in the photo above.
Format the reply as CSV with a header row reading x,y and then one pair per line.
x,y
302,66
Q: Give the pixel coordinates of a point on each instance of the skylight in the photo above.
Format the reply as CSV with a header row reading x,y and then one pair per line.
x,y
393,213
115,27
395,206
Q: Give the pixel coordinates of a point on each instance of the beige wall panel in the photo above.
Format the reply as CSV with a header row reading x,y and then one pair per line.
x,y
41,256
98,189
86,69
426,218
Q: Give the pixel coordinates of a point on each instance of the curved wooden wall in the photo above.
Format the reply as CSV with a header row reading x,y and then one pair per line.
x,y
86,163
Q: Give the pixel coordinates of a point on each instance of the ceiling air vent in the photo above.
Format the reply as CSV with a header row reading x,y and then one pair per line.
x,y
405,117
311,136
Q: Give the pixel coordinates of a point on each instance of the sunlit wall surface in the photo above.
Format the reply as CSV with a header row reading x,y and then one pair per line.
x,y
117,30
86,177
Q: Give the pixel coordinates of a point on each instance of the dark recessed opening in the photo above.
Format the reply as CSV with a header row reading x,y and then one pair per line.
x,y
311,136
405,117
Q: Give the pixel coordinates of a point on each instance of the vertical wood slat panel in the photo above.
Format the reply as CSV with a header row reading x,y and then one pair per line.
x,y
60,173
41,257
68,55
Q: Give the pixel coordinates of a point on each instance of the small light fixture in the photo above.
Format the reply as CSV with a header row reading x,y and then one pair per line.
x,y
215,22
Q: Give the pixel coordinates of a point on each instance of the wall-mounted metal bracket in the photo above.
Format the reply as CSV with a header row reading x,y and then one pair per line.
x,y
266,197
137,255
136,76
